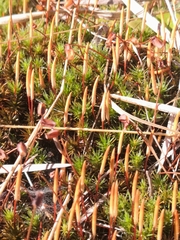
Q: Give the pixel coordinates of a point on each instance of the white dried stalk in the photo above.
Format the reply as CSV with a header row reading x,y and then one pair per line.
x,y
33,167
167,140
160,107
24,17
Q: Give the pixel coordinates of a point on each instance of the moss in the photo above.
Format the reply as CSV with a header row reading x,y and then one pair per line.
x,y
86,139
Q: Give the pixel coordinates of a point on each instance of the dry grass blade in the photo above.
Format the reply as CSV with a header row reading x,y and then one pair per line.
x,y
111,203
9,35
125,58
173,36
17,69
141,218
103,163
112,164
30,28
63,161
129,52
17,194
103,109
80,34
63,171
71,216
52,29
174,197
144,19
49,56
157,56
149,55
95,3
41,80
10,7
57,232
25,6
94,90
107,107
66,109
171,44
136,208
32,86
116,200
85,64
128,11
53,75
126,164
121,22
83,172
147,93
114,235
114,60
55,186
175,124
77,190
75,201
32,95
77,210
117,50
94,221
160,226
57,13
45,237
28,82
134,186
84,105
113,208
120,142
48,5
176,225
153,80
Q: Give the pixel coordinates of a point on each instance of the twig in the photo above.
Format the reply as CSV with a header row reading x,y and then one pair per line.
x,y
175,133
